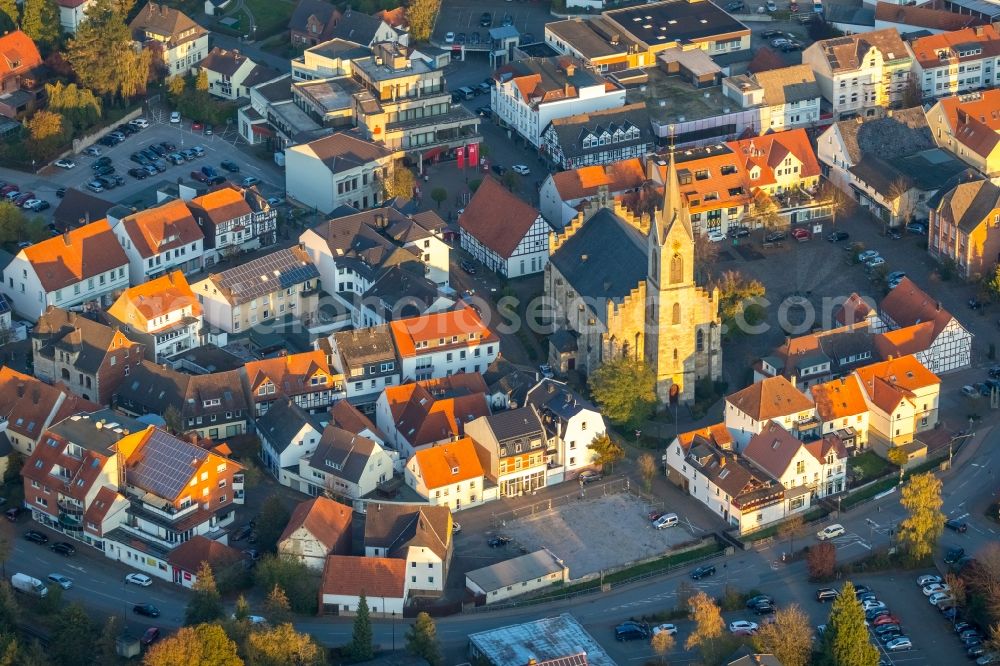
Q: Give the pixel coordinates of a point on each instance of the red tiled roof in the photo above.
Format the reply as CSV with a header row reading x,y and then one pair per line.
x,y
889,382
839,398
434,332
27,403
18,54
586,181
770,398
717,434
76,255
853,311
325,519
165,227
768,151
139,305
923,17
497,218
291,374
446,464
350,418
98,509
772,449
907,305
432,411
189,555
352,576
906,340
821,447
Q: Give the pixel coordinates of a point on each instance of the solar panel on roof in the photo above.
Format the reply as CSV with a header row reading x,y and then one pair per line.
x,y
165,465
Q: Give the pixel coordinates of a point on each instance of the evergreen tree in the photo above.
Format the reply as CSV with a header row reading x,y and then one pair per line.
x,y
10,18
201,80
242,611
422,641
277,607
107,644
845,641
102,54
205,605
72,637
40,21
361,639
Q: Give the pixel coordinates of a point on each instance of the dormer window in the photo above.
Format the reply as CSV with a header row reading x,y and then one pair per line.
x,y
454,470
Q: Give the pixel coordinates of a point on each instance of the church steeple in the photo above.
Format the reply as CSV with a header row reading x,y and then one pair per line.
x,y
672,208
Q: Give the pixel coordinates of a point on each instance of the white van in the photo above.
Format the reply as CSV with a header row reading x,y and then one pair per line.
x,y
666,520
466,92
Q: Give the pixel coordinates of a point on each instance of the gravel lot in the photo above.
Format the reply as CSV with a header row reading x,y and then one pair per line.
x,y
595,534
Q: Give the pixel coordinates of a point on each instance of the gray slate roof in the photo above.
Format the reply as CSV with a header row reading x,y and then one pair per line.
x,y
605,259
356,27
342,454
520,569
571,131
283,421
522,422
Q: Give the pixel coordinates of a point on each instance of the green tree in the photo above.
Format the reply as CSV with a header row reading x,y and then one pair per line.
x,y
72,637
422,640
297,581
102,53
277,607
605,451
736,294
9,15
421,15
845,641
79,107
401,183
920,530
40,21
439,194
205,645
205,604
241,612
991,285
361,637
274,516
789,637
624,387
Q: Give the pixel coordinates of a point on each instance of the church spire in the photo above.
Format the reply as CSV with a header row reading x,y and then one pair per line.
x,y
672,208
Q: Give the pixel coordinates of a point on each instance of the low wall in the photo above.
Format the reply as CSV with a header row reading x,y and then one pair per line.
x,y
91,139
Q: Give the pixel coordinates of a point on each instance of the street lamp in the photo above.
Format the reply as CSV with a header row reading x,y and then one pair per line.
x,y
394,630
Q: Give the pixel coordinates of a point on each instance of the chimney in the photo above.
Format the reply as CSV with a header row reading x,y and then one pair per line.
x,y
570,69
236,54
843,381
66,238
939,306
794,381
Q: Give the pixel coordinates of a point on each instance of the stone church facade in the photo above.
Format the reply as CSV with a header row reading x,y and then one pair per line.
x,y
623,284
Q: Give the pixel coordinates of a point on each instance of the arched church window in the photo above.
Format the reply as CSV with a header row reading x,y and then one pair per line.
x,y
700,341
676,269
676,314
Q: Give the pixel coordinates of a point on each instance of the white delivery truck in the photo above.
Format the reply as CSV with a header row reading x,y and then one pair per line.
x,y
28,585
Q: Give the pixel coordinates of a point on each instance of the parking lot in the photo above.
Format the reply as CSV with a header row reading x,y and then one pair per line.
x,y
462,17
217,147
594,534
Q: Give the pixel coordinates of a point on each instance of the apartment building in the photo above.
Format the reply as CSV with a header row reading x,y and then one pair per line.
x,y
406,106
515,449
529,94
177,42
367,359
271,290
159,240
861,75
448,474
163,314
306,378
956,62
969,126
787,97
598,137
749,410
232,221
964,228
83,265
443,344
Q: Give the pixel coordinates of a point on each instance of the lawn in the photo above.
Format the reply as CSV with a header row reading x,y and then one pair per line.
x,y
867,466
271,16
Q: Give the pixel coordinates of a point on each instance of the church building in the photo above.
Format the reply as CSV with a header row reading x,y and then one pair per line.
x,y
623,284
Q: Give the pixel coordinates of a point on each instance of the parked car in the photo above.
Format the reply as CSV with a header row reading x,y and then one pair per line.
x,y
168,146
589,476
801,235
917,228
867,255
824,594
65,164
703,572
249,181
760,598
138,579
521,169
886,619
931,588
667,627
93,151
499,541
665,521
209,171
837,236
468,267
35,536
630,631
141,123
830,531
763,609
957,525
875,262
40,205
954,555
716,236
150,636
735,6
63,548
149,610
937,597
199,176
230,166
899,644
60,580
742,625
138,174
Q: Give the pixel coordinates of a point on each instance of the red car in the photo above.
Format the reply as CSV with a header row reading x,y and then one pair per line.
x,y
151,636
654,515
886,619
7,189
196,126
801,234
24,197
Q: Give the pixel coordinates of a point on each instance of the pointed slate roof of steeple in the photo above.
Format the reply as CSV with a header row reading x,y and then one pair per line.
x,y
672,210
